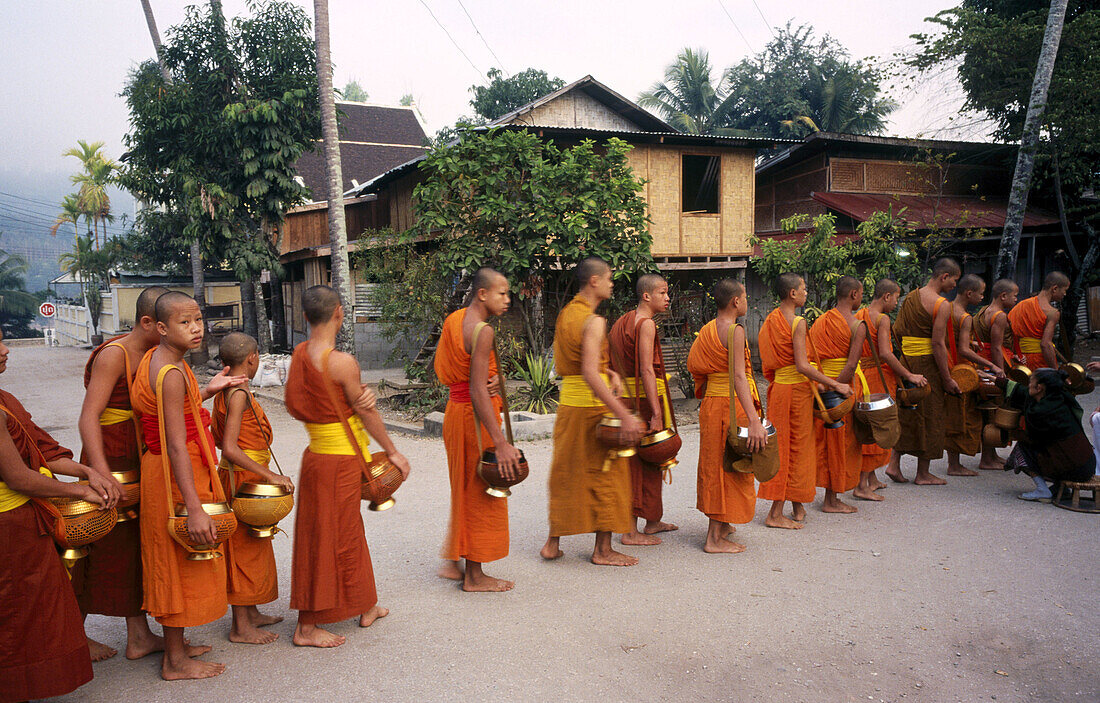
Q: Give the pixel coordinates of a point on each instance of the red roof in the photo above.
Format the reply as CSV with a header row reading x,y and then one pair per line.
x,y
923,211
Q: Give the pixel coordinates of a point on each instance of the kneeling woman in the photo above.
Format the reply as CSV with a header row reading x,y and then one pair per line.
x,y
1055,446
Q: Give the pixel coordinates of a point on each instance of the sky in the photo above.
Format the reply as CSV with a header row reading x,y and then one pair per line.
x,y
63,63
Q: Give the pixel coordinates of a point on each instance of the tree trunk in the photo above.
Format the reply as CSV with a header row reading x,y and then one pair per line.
x,y
278,314
263,330
337,229
1029,141
248,307
1072,302
198,284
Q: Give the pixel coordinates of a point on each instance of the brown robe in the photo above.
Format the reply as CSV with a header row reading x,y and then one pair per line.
x,y
922,430
963,426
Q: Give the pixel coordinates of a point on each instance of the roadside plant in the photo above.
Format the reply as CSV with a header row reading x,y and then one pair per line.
x,y
540,393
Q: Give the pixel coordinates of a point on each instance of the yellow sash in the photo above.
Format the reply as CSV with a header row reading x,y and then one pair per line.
x,y
113,416
575,393
632,388
10,499
1031,345
260,456
718,385
330,437
916,346
789,375
833,367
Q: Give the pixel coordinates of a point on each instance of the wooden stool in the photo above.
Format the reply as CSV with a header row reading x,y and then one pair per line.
x,y
1076,488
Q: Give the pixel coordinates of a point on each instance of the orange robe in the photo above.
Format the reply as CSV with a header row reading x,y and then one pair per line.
x,y
1028,321
790,409
588,492
43,650
874,456
250,561
983,334
108,580
178,592
332,578
645,480
479,522
963,420
922,429
725,496
839,454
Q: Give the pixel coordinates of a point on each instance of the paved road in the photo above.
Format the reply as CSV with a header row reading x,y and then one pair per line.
x,y
956,593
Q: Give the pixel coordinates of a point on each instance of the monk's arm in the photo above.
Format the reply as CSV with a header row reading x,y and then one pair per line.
x,y
21,478
345,372
1050,356
174,390
479,387
939,347
965,350
740,378
220,382
886,350
855,350
235,409
802,362
647,336
107,369
997,341
591,340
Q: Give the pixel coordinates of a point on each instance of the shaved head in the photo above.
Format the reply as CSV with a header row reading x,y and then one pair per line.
x,y
648,283
168,303
1055,278
585,270
725,291
235,347
484,278
886,286
946,265
319,304
970,283
847,285
147,301
785,283
1004,285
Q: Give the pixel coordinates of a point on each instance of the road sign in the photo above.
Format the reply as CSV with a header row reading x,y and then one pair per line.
x,y
47,309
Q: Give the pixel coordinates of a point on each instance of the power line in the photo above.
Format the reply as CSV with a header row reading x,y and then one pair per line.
x,y
479,34
472,65
723,6
770,29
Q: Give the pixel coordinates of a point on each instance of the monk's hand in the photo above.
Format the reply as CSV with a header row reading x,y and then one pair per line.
x,y
398,459
106,486
758,437
949,386
92,496
1093,367
493,385
200,527
508,458
656,423
283,481
918,380
222,381
843,388
615,382
366,400
633,427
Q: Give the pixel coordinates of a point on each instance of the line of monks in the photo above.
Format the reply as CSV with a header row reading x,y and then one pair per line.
x,y
143,412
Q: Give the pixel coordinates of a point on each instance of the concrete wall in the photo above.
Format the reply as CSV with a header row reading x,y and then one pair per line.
x,y
373,350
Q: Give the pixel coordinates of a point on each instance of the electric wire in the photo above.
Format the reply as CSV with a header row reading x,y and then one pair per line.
x,y
482,37
770,28
728,15
445,31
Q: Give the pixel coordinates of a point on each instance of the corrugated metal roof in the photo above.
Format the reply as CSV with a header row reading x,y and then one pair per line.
x,y
924,212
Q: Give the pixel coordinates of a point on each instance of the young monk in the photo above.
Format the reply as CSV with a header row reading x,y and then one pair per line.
x,y
996,345
179,592
725,497
589,487
43,651
479,522
1035,320
108,580
837,341
243,433
633,343
783,358
922,326
877,317
963,427
332,578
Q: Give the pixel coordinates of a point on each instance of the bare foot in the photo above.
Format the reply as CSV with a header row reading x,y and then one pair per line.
x,y
866,494
144,645
638,539
798,512
838,506
874,483
261,620
660,527
486,584
896,477
783,522
190,669
450,570
960,470
992,466
929,479
550,551
723,546
367,619
247,633
313,636
613,558
100,651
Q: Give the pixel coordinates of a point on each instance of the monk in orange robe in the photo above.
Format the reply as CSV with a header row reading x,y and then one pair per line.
x,y
478,529
43,651
725,497
181,467
589,484
332,578
1035,320
837,341
634,346
877,317
922,327
783,344
243,432
963,428
996,345
108,580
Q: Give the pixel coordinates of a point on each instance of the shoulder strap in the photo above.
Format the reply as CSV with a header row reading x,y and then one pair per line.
x,y
731,374
129,384
44,503
330,388
251,400
878,362
503,393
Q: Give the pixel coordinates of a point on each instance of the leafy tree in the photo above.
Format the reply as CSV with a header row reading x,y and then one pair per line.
x,y
407,100
354,92
503,95
688,99
801,84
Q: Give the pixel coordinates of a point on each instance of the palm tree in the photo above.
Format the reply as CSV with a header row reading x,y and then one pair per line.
x,y
98,173
14,298
92,267
838,101
70,214
337,229
688,99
